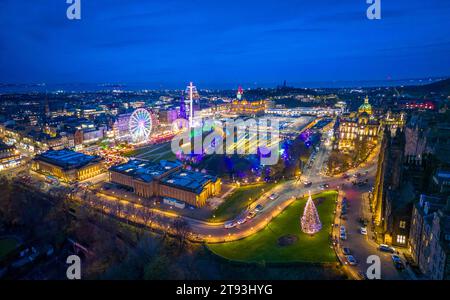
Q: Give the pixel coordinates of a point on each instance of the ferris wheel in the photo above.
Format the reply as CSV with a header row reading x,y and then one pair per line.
x,y
140,125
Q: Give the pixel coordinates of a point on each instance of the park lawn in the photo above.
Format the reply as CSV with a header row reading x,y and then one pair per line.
x,y
235,203
154,152
6,246
263,246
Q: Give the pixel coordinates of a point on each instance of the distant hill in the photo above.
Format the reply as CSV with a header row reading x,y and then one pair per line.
x,y
439,87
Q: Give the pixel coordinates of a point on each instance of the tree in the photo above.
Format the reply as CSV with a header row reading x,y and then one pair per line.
x,y
310,221
181,230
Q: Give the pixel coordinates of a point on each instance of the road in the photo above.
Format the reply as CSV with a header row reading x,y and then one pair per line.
x,y
361,246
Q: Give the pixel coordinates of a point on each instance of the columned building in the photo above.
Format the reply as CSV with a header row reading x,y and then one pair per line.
x,y
166,180
358,127
67,165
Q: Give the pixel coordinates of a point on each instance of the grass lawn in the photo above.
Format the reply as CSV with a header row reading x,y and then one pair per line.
x,y
6,246
263,246
235,203
154,153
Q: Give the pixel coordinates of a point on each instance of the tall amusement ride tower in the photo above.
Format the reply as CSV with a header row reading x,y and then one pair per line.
x,y
192,91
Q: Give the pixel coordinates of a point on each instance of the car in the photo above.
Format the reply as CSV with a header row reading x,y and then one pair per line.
x,y
241,220
398,263
351,260
324,186
308,184
229,225
345,176
343,236
363,230
251,215
259,208
346,251
273,196
386,248
342,228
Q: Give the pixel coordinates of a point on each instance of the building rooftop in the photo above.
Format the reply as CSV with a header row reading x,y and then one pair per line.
x,y
4,146
145,170
67,159
189,180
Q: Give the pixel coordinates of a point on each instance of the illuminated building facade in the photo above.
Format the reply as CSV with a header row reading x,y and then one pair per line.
x,y
357,127
394,121
430,236
9,156
67,165
242,106
166,180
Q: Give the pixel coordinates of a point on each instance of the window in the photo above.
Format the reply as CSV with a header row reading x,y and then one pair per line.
x,y
402,224
401,239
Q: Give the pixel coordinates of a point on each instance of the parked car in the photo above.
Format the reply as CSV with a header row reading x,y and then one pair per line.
x,y
398,263
386,248
346,251
241,220
259,208
363,230
342,229
308,184
351,260
343,236
251,215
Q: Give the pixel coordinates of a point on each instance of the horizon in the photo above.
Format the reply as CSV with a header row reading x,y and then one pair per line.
x,y
142,86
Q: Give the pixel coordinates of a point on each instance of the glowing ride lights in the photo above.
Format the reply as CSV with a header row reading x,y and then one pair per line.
x,y
140,125
310,220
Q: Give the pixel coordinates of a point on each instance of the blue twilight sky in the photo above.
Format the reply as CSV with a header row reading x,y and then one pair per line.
x,y
212,42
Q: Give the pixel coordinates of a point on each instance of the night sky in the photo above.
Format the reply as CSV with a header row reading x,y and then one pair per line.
x,y
215,42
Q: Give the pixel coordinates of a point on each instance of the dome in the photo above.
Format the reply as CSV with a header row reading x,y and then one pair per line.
x,y
365,107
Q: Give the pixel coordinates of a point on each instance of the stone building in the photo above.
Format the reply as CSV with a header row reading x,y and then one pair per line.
x,y
430,236
242,106
358,127
393,192
67,165
167,181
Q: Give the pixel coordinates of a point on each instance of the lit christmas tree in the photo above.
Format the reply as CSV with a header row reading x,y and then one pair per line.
x,y
310,221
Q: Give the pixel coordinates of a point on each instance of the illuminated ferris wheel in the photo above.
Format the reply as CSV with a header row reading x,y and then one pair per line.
x,y
140,125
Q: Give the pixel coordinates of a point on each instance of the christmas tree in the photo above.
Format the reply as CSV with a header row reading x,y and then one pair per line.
x,y
310,221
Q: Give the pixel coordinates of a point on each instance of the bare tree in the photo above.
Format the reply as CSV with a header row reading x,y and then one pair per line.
x,y
181,230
